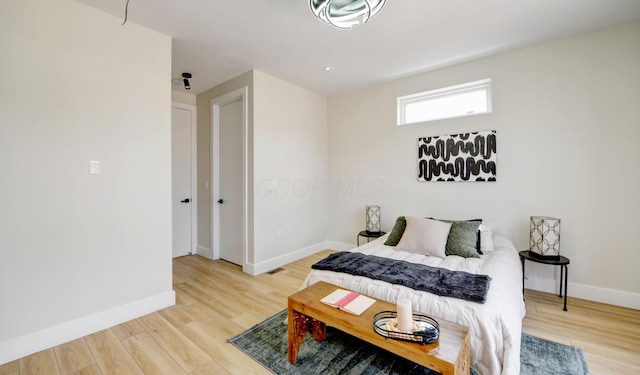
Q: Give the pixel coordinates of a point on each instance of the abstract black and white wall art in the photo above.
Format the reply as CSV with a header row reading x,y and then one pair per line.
x,y
458,157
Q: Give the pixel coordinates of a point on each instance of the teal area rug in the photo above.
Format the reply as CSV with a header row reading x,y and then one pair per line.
x,y
266,343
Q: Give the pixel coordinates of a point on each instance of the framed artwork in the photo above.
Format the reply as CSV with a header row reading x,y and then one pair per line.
x,y
458,157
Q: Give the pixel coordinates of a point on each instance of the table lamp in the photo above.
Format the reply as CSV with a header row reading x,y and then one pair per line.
x,y
373,219
544,237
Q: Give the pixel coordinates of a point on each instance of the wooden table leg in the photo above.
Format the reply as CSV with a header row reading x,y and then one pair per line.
x,y
463,363
318,330
298,327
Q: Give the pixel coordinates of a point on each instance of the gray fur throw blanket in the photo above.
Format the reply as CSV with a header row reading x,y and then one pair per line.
x,y
440,281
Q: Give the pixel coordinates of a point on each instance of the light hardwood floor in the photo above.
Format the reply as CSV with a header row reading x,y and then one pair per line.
x,y
216,301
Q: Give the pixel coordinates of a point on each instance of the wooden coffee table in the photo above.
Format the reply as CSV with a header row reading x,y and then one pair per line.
x,y
448,355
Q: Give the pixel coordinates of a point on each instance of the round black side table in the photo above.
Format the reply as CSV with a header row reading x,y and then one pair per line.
x,y
559,261
369,235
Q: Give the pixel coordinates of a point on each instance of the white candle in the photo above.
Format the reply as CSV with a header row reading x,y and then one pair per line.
x,y
405,315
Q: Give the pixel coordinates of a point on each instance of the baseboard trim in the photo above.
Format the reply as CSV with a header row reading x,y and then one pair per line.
x,y
609,296
204,252
47,338
588,292
273,263
339,246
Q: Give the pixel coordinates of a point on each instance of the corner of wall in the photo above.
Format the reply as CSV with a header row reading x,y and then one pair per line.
x,y
183,97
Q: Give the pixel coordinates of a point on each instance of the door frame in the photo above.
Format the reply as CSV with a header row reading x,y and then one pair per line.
x,y
194,172
242,95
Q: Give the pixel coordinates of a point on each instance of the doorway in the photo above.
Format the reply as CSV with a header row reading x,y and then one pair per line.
x,y
183,183
229,177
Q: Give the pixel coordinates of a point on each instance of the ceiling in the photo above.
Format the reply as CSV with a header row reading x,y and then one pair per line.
x,y
216,40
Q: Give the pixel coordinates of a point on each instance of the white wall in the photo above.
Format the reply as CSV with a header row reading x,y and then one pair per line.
x,y
81,252
290,147
183,97
287,142
203,101
566,115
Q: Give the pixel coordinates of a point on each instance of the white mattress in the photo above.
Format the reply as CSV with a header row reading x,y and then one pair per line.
x,y
495,326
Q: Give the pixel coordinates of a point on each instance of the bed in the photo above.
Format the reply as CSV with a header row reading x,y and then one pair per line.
x,y
495,325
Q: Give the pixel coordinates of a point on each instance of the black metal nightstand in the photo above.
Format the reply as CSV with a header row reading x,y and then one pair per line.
x,y
369,235
559,261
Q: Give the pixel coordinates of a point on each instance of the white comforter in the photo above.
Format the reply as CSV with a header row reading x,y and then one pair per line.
x,y
495,326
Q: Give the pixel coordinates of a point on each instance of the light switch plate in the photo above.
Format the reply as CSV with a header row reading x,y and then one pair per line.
x,y
94,167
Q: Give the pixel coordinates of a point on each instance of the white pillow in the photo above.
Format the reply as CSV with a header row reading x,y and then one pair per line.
x,y
486,238
425,236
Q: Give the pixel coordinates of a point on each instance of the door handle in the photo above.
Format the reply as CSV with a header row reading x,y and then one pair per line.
x,y
185,200
220,201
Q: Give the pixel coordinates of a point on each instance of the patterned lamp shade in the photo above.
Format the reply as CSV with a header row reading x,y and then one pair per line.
x,y
544,237
373,219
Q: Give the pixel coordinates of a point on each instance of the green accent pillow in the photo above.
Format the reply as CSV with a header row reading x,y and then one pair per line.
x,y
463,238
396,232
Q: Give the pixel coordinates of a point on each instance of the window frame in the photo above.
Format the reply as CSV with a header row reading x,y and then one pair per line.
x,y
441,93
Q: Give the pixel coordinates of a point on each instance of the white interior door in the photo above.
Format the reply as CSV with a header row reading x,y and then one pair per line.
x,y
181,179
230,198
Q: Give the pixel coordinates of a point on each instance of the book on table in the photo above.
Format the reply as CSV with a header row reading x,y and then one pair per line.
x,y
351,302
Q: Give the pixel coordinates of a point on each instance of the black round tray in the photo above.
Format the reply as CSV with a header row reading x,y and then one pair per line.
x,y
428,333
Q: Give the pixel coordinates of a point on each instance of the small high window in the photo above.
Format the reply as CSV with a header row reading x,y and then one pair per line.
x,y
467,99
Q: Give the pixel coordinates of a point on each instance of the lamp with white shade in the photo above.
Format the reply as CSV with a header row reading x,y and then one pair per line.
x,y
373,219
544,237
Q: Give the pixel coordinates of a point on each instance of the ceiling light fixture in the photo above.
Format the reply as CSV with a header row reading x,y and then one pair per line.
x,y
344,14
